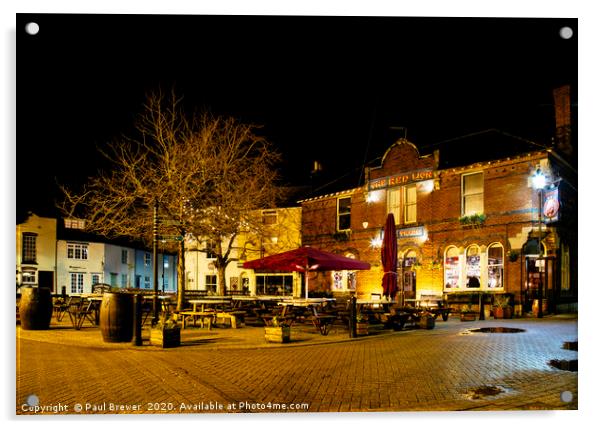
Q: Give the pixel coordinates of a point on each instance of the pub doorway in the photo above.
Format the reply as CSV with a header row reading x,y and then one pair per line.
x,y
408,275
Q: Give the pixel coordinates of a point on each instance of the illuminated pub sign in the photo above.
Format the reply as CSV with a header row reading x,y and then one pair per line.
x,y
417,231
400,179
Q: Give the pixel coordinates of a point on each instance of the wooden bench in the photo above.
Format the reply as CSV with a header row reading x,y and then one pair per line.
x,y
206,317
323,322
235,318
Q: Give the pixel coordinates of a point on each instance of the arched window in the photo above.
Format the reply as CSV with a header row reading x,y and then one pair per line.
x,y
473,266
495,266
452,268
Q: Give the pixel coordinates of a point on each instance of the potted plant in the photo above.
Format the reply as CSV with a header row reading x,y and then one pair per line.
x,y
426,320
361,327
279,331
166,333
466,314
500,301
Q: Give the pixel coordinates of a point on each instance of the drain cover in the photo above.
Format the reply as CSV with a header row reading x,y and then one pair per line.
x,y
570,345
498,330
565,365
482,391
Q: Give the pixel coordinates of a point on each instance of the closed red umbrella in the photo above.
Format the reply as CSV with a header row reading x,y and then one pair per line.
x,y
388,256
306,259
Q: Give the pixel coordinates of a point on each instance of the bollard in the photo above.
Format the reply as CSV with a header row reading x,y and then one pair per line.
x,y
353,317
137,338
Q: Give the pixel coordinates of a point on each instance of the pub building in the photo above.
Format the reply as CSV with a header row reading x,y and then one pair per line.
x,y
488,213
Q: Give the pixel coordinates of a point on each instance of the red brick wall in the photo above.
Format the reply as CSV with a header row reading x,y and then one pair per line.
x,y
510,205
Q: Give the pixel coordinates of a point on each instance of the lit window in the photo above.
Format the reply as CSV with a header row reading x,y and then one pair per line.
x,y
473,267
394,203
28,255
344,214
495,266
472,194
28,276
77,251
74,223
452,268
409,204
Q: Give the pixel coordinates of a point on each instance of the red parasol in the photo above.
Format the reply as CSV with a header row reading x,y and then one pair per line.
x,y
306,259
388,255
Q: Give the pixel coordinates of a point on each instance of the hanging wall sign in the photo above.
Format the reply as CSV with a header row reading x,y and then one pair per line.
x,y
551,205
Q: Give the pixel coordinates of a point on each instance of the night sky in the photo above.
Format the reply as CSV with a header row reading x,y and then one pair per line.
x,y
325,88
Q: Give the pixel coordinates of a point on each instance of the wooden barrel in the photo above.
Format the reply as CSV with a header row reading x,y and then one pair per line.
x,y
117,317
35,308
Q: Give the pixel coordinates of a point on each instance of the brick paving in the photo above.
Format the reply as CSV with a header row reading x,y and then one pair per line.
x,y
392,371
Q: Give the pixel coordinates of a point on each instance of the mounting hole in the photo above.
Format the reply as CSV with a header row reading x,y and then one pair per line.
x,y
566,396
566,32
33,400
32,28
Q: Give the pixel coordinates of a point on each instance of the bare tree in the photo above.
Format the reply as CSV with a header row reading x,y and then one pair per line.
x,y
205,173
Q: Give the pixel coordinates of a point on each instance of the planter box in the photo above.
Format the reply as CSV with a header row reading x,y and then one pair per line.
x,y
277,334
468,317
426,321
165,337
361,329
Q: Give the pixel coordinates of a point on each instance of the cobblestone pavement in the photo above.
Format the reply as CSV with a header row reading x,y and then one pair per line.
x,y
227,370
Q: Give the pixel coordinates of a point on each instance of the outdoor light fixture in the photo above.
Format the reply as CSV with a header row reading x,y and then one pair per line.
x,y
539,180
371,197
365,224
539,183
376,242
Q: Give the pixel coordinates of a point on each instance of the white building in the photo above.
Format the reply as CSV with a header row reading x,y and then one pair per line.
x,y
281,232
68,260
36,252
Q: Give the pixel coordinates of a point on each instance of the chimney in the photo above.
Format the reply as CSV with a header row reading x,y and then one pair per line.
x,y
562,107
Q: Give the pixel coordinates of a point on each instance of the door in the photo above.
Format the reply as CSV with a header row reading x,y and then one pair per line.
x,y
46,279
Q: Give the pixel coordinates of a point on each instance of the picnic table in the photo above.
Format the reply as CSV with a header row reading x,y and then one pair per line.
x,y
322,322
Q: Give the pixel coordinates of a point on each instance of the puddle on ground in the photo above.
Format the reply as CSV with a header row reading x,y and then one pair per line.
x,y
565,365
498,330
484,391
570,345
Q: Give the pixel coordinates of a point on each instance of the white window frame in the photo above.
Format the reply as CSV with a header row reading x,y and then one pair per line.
x,y
465,195
98,278
406,204
124,256
77,251
147,259
465,277
147,282
29,276
29,247
394,203
77,282
340,214
498,265
208,283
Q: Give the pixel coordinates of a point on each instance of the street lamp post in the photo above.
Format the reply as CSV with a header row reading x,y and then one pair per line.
x,y
539,182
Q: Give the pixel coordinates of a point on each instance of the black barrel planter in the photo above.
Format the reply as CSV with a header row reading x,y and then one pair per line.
x,y
35,308
117,317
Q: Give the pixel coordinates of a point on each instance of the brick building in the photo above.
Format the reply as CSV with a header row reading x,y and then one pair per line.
x,y
467,217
